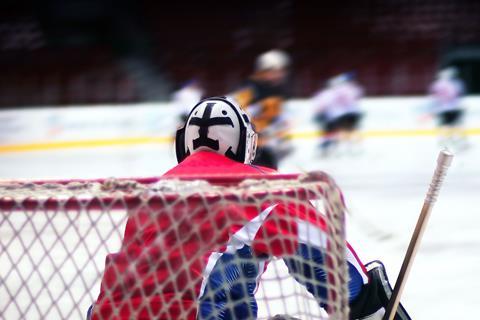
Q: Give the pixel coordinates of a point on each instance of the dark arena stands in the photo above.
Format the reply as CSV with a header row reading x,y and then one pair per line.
x,y
97,103
60,52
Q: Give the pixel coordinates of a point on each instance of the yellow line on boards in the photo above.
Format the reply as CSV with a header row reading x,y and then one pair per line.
x,y
93,143
372,133
386,133
83,144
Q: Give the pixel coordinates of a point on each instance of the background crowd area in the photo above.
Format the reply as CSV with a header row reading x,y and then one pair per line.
x,y
77,52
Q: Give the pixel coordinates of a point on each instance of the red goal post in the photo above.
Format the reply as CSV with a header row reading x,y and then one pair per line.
x,y
55,235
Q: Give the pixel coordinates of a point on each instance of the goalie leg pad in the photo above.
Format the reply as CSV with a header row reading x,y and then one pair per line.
x,y
375,295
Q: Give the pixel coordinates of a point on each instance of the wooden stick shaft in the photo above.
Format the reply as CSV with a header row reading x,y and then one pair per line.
x,y
443,162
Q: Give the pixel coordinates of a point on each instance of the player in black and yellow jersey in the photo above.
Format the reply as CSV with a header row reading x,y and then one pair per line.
x,y
263,96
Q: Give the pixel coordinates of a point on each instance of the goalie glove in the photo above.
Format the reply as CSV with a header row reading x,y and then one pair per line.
x,y
374,297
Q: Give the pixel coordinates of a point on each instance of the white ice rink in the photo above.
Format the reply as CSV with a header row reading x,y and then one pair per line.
x,y
384,187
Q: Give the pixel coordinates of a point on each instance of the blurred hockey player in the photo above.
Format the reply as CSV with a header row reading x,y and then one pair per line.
x,y
445,94
338,113
263,95
160,273
189,94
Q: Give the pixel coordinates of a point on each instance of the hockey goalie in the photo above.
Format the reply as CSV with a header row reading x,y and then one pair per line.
x,y
158,274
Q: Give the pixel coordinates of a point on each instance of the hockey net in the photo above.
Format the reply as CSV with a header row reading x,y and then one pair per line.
x,y
55,236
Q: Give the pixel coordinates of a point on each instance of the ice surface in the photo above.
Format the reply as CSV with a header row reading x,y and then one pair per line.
x,y
384,187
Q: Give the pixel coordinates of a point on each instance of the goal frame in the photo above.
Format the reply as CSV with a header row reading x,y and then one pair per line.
x,y
131,200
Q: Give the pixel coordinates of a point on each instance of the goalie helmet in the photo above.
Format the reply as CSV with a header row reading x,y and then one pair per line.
x,y
217,124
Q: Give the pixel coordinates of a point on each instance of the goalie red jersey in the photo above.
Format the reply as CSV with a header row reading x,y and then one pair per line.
x,y
143,281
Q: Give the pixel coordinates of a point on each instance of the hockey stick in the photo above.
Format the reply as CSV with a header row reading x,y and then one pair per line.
x,y
443,162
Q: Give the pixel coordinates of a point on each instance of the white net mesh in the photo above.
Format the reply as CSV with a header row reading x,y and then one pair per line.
x,y
220,248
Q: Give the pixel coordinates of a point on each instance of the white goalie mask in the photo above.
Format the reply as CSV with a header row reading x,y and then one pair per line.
x,y
219,125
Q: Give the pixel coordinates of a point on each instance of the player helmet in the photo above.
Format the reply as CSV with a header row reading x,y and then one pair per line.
x,y
448,73
272,60
341,79
217,124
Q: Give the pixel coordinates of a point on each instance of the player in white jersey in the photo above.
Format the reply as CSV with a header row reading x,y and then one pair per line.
x,y
338,112
445,95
